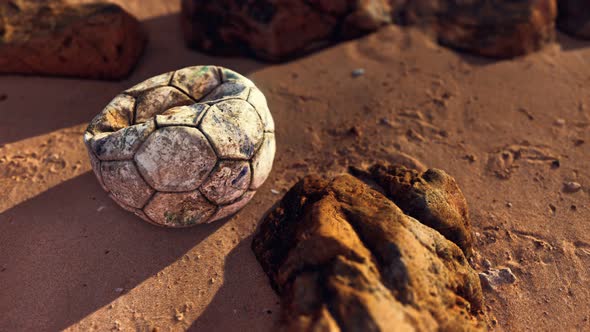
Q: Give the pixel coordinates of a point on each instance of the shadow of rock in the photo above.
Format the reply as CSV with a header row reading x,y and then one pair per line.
x,y
37,105
71,250
233,307
570,43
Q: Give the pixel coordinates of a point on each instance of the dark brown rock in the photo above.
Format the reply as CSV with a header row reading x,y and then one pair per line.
x,y
494,28
344,257
574,17
98,40
277,29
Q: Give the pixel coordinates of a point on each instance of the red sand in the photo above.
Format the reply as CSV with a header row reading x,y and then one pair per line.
x,y
72,259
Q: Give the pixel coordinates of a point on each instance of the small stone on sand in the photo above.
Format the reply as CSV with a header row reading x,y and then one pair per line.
x,y
571,186
493,278
358,72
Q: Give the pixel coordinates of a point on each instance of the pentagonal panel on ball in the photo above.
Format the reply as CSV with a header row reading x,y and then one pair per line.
x,y
227,91
122,144
175,159
234,128
179,209
257,99
228,75
124,182
228,181
225,211
182,116
263,160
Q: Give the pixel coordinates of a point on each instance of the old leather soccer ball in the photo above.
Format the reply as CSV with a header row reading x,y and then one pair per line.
x,y
185,147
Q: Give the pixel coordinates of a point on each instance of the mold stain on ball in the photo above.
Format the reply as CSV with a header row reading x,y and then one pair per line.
x,y
184,147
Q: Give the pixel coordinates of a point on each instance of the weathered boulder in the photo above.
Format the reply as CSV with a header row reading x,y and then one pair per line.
x,y
433,197
277,29
493,28
97,40
574,17
342,256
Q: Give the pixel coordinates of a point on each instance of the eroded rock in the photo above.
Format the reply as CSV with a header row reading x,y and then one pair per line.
x,y
494,28
574,17
433,197
343,257
276,30
98,40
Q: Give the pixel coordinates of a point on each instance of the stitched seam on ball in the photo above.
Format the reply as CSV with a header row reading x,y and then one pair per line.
x,y
184,93
257,111
139,171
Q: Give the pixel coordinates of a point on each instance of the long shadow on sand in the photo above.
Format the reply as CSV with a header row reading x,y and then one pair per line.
x,y
245,301
71,250
38,105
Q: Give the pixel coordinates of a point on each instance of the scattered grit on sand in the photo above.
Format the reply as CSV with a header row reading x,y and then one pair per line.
x,y
514,134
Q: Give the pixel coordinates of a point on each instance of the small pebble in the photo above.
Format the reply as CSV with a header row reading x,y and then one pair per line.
x,y
358,72
471,158
275,192
509,204
571,186
100,208
560,122
493,278
119,290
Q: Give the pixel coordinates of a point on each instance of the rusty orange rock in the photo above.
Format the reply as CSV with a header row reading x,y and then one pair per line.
x,y
344,257
98,40
276,30
494,28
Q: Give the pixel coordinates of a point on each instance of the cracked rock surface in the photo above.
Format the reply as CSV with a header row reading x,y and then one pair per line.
x,y
432,196
501,29
276,30
344,257
99,40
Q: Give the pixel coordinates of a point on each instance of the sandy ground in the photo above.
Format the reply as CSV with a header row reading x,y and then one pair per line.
x,y
72,259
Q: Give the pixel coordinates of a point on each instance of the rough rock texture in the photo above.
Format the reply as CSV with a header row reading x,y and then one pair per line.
x,y
184,147
574,17
344,257
98,40
277,29
432,196
492,28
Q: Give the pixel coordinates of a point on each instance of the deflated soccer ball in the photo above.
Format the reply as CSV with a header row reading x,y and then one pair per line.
x,y
185,147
